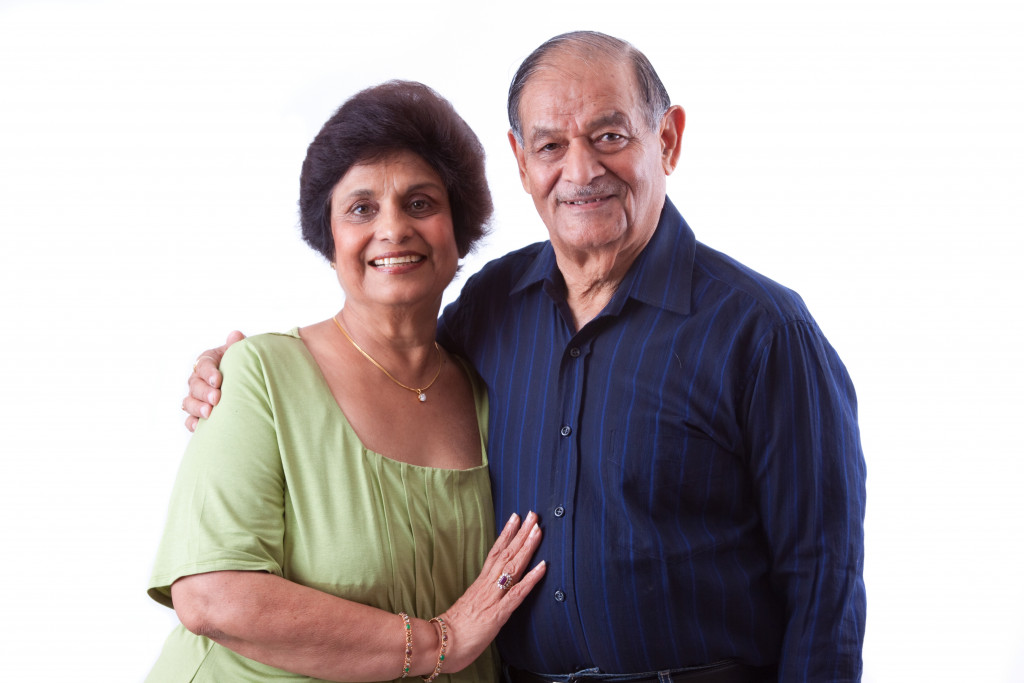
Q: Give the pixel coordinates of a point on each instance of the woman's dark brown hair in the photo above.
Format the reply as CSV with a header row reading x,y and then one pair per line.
x,y
392,117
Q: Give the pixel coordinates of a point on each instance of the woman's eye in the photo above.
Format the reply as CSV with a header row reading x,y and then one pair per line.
x,y
360,209
423,206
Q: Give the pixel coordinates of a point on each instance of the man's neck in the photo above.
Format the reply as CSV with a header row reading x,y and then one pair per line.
x,y
591,280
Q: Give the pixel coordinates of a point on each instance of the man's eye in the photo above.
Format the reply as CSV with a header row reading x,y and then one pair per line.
x,y
611,137
550,147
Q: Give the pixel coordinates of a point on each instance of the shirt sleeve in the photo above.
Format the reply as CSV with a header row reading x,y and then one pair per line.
x,y
452,321
809,478
227,505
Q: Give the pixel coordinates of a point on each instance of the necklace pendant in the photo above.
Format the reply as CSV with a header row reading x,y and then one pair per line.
x,y
423,397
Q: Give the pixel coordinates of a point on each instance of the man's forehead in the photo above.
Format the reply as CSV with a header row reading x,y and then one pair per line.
x,y
585,91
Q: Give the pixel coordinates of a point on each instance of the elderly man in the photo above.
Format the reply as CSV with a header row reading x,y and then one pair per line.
x,y
685,430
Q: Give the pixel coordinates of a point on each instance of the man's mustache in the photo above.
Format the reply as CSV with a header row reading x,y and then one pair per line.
x,y
587,192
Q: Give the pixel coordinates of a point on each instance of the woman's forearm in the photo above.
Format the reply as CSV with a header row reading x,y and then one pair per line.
x,y
299,629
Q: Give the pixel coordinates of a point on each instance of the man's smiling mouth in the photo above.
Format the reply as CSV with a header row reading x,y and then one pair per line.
x,y
584,202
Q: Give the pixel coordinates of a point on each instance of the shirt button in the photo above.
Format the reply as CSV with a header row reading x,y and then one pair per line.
x,y
559,511
559,596
566,430
574,352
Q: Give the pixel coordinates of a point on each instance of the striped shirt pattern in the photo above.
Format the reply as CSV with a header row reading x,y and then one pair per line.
x,y
694,455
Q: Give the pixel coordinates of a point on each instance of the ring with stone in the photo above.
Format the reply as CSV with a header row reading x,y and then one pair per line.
x,y
505,581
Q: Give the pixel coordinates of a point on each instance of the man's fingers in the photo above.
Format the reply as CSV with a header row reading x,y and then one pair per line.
x,y
201,390
201,397
206,367
197,408
204,382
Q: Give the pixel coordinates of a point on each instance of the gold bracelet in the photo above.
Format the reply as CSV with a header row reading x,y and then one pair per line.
x,y
441,652
408,644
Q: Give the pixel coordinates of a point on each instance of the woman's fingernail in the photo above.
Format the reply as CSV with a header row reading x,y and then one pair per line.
x,y
511,520
535,530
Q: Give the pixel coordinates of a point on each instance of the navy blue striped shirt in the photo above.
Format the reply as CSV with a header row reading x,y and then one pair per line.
x,y
694,455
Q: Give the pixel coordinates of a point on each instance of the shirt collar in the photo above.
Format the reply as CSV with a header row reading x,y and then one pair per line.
x,y
661,276
543,268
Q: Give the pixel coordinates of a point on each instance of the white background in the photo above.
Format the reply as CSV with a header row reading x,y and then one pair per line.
x,y
867,154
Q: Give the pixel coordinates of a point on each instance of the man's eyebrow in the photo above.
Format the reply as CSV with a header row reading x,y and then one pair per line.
x,y
538,132
613,118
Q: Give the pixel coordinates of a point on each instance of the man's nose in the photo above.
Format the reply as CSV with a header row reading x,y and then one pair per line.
x,y
582,164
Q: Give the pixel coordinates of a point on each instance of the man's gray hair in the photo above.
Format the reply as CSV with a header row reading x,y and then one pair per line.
x,y
653,97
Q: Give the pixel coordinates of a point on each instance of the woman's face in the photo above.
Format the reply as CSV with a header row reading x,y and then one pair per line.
x,y
394,244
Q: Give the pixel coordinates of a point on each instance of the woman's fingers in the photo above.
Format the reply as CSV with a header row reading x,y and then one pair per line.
x,y
497,552
506,535
515,595
512,551
502,586
510,574
521,549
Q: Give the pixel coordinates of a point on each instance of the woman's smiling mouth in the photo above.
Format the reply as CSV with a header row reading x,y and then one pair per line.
x,y
396,260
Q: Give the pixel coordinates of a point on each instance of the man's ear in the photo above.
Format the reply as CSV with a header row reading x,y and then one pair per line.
x,y
671,135
517,149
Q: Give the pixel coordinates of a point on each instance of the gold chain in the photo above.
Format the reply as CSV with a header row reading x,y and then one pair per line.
x,y
421,393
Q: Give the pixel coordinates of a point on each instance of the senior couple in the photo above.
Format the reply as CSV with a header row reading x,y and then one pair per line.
x,y
678,421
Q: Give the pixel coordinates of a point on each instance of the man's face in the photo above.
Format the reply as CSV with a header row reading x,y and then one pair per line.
x,y
594,168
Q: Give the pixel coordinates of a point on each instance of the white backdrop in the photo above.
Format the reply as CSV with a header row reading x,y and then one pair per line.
x,y
867,154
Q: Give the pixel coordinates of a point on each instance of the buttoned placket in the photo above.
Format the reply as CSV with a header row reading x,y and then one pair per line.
x,y
572,373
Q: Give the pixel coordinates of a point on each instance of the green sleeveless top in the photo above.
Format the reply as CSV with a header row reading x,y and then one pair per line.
x,y
276,480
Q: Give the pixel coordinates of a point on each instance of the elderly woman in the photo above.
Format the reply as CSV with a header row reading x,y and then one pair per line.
x,y
332,519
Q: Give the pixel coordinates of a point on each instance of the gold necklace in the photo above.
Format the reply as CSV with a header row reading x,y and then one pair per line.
x,y
420,393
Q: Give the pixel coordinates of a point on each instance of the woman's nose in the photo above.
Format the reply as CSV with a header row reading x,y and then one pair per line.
x,y
394,225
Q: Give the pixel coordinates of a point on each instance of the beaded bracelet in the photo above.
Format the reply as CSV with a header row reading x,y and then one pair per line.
x,y
408,644
441,652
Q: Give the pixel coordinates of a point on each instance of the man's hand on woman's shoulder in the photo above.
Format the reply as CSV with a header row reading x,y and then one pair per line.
x,y
204,383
